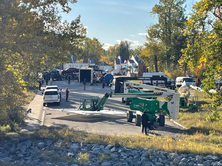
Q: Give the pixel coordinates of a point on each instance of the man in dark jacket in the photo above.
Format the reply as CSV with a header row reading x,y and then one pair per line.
x,y
84,83
145,120
67,94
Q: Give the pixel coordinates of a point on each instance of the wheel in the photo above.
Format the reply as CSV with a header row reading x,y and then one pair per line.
x,y
161,120
43,104
138,120
129,116
127,102
123,100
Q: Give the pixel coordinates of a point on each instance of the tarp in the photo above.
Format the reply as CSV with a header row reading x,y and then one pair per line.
x,y
107,78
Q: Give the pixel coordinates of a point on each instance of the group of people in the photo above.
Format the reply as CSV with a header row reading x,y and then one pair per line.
x,y
67,94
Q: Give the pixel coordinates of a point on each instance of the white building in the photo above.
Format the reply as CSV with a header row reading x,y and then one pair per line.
x,y
104,66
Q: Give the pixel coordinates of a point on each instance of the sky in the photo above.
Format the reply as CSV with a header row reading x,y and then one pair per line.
x,y
111,21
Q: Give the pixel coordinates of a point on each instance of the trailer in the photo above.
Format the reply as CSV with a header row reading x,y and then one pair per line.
x,y
87,74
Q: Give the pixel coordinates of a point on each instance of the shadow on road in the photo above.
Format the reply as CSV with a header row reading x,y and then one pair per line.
x,y
171,129
95,119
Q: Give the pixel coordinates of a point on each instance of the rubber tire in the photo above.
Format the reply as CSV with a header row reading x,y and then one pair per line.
x,y
127,102
123,101
138,120
129,116
43,104
161,120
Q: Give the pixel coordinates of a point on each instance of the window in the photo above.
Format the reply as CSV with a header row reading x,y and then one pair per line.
x,y
52,88
51,93
188,80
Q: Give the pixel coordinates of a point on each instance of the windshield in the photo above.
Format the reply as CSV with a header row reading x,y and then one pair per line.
x,y
188,79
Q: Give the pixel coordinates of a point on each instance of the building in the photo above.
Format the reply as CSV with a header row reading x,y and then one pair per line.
x,y
141,66
104,66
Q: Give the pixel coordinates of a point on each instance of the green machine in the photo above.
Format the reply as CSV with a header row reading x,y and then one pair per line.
x,y
151,107
128,100
186,100
142,101
93,103
189,102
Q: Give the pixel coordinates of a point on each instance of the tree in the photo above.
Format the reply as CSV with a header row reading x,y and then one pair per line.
x,y
124,50
204,28
26,45
169,29
90,48
152,54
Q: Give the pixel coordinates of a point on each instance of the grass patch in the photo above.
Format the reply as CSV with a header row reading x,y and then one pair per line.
x,y
104,157
83,157
29,97
198,143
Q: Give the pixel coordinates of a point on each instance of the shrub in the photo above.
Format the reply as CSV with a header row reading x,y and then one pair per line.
x,y
83,157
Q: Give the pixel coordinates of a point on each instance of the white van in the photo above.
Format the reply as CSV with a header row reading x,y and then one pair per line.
x,y
188,80
156,74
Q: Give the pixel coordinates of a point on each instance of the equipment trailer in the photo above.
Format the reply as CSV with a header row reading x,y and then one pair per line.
x,y
138,106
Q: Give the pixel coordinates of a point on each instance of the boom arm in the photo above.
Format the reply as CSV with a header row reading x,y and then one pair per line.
x,y
172,105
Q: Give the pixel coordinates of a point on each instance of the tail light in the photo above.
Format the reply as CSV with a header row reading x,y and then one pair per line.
x,y
142,82
43,98
58,97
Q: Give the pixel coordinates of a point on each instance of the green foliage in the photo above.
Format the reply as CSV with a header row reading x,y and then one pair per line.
x,y
104,157
153,54
83,157
5,129
169,30
32,37
90,48
214,115
204,31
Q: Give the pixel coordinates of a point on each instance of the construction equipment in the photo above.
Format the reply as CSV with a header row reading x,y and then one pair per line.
x,y
186,100
151,107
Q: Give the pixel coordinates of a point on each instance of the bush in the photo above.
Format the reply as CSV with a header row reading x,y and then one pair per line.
x,y
3,130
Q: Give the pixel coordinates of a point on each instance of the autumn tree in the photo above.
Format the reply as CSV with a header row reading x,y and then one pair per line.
x,y
27,46
152,55
204,28
169,29
90,48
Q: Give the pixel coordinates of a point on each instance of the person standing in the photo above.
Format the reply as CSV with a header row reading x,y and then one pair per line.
x,y
103,81
60,94
84,83
144,123
40,84
67,94
50,80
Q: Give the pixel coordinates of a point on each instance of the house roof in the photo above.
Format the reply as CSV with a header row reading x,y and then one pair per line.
x,y
138,60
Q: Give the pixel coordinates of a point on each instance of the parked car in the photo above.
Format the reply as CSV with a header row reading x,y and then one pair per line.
x,y
51,96
189,81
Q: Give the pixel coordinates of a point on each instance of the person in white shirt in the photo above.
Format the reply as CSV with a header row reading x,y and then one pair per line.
x,y
60,93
